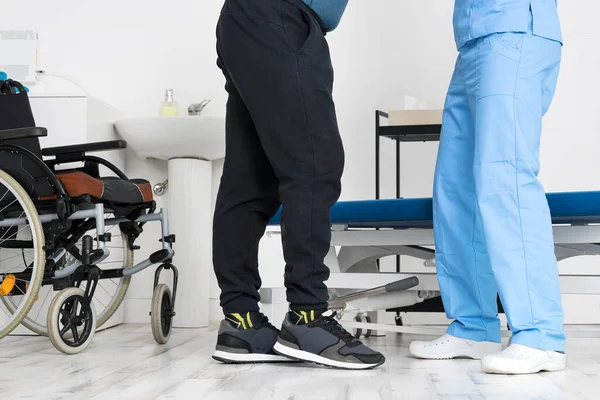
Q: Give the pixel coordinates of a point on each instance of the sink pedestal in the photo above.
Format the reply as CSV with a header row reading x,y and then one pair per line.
x,y
190,219
189,145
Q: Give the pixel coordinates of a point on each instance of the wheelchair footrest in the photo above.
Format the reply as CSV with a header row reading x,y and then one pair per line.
x,y
160,256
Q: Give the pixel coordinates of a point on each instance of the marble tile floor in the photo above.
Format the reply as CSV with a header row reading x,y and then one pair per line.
x,y
125,363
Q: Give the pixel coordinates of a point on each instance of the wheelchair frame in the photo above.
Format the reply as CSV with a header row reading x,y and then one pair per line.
x,y
64,226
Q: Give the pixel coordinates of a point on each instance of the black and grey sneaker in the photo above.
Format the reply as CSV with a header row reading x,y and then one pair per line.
x,y
247,338
322,340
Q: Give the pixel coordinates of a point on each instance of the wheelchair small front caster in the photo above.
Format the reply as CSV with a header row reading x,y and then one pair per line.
x,y
71,324
162,313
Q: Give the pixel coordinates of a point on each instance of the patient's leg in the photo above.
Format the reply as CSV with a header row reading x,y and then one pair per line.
x,y
287,86
247,199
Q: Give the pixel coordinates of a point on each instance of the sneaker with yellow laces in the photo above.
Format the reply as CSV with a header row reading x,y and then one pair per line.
x,y
247,338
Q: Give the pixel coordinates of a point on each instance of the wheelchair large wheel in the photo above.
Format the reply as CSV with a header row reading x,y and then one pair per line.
x,y
22,254
109,293
71,325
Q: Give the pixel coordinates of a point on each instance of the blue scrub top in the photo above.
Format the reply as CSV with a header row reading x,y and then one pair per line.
x,y
477,18
330,11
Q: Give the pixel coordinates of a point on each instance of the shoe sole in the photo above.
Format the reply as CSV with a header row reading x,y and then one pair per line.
x,y
448,356
463,353
547,367
236,358
305,356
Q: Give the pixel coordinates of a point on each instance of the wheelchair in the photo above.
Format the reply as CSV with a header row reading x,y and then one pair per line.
x,y
67,236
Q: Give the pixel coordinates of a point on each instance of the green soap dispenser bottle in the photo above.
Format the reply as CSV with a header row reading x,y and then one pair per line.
x,y
168,108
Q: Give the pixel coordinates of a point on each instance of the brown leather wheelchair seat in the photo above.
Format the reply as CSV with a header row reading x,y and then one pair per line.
x,y
113,190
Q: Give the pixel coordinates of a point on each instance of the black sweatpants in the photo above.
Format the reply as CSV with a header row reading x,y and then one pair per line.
x,y
283,147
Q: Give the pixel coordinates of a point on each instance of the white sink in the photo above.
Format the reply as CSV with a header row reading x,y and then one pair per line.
x,y
167,138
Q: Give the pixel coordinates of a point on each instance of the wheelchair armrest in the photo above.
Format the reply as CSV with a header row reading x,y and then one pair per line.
x,y
81,149
22,133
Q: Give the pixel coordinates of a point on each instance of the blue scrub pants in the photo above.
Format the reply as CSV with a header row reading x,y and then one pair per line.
x,y
493,232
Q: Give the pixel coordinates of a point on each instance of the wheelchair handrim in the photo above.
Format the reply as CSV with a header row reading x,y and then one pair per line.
x,y
37,273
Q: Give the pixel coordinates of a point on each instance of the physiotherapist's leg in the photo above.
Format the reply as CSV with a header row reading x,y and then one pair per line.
x,y
518,77
463,269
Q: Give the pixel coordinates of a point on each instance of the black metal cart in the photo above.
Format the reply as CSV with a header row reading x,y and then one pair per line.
x,y
399,134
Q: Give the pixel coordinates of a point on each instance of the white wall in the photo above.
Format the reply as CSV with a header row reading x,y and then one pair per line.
x,y
128,52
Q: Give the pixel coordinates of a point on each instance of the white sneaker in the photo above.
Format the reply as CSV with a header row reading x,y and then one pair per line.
x,y
448,346
518,359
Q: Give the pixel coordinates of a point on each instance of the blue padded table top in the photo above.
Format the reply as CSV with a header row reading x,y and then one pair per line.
x,y
565,208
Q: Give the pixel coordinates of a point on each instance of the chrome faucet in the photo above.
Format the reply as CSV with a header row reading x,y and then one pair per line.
x,y
160,188
196,108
